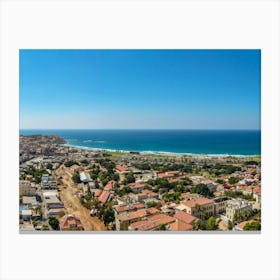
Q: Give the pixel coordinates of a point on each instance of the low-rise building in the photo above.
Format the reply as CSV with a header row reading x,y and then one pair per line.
x,y
199,207
126,218
236,206
144,194
220,204
26,214
124,208
52,201
70,222
48,183
104,196
29,200
184,217
121,169
110,185
85,177
152,222
137,187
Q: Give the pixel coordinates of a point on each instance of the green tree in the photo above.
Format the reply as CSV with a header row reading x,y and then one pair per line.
x,y
211,224
233,180
123,191
69,163
202,189
160,227
252,226
230,225
129,178
54,223
76,178
151,204
116,177
108,216
199,225
84,162
219,181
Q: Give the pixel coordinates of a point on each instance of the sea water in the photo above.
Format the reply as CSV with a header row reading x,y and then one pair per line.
x,y
200,142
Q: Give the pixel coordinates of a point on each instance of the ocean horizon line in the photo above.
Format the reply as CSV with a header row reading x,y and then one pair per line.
x,y
208,129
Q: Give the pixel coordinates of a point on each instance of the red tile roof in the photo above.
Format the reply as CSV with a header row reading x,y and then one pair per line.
x,y
149,193
69,222
124,208
98,193
133,215
257,189
121,168
153,210
180,226
109,185
200,201
184,217
103,197
136,185
152,222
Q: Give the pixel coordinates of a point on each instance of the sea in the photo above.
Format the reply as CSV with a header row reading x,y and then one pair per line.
x,y
161,141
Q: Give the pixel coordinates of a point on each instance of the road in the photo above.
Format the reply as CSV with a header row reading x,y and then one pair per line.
x,y
68,195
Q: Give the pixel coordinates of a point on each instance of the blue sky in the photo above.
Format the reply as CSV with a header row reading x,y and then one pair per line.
x,y
178,89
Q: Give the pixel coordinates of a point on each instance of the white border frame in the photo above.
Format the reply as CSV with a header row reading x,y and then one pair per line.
x,y
139,24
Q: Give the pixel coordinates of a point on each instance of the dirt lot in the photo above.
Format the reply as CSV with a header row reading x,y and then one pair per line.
x,y
68,195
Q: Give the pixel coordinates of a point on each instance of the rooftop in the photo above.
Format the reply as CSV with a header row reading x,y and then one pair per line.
x,y
133,215
109,185
152,222
200,201
180,226
103,196
123,208
184,217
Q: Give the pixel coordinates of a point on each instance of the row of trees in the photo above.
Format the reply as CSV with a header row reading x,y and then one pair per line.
x,y
129,178
252,226
209,224
166,167
36,174
242,216
172,197
104,176
202,189
219,169
239,194
69,163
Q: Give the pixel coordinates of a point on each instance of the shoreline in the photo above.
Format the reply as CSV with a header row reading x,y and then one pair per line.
x,y
161,153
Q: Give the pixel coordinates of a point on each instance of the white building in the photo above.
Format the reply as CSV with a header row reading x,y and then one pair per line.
x,y
85,178
237,206
26,215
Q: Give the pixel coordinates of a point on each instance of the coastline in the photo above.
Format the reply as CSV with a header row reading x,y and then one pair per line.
x,y
161,153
